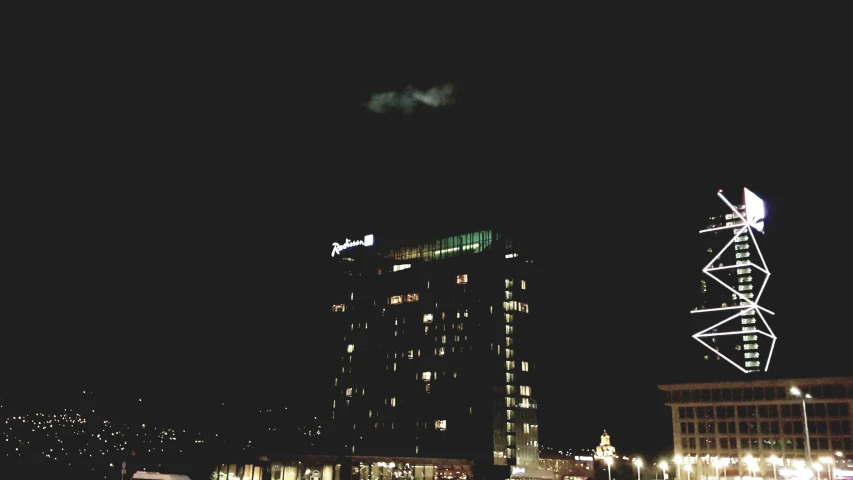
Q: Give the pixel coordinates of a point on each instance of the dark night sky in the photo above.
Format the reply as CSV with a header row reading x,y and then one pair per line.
x,y
190,252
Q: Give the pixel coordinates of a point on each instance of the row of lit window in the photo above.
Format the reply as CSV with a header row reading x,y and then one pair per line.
x,y
743,288
513,305
744,279
398,299
773,427
743,246
747,321
428,317
767,444
741,238
836,409
744,271
735,296
510,365
509,283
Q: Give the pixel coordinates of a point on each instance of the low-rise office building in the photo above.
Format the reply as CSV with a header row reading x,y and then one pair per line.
x,y
757,427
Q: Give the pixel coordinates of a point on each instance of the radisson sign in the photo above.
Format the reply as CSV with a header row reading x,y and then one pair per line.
x,y
337,248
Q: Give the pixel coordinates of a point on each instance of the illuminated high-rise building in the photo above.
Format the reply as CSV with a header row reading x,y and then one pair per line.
x,y
729,321
434,349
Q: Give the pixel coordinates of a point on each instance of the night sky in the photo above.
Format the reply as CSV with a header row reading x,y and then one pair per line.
x,y
189,255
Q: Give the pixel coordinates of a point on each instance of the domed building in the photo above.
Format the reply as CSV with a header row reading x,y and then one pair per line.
x,y
605,449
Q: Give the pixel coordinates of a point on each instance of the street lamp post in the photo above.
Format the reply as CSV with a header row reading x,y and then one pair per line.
x,y
828,461
665,468
752,464
797,393
775,461
609,462
688,468
677,460
638,463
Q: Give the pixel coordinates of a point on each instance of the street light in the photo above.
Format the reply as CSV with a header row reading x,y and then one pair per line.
x,y
717,464
817,468
752,464
828,461
775,461
639,463
665,467
677,461
797,393
609,462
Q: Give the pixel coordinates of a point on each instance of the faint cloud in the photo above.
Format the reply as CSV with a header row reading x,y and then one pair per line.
x,y
410,98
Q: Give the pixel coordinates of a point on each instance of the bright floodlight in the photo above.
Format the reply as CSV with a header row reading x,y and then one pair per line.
x,y
664,466
677,460
638,462
608,460
796,391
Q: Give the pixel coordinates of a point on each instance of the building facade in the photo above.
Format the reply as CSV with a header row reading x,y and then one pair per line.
x,y
728,320
719,426
568,466
434,358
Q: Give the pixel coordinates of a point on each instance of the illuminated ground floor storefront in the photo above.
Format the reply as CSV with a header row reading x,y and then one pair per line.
x,y
328,467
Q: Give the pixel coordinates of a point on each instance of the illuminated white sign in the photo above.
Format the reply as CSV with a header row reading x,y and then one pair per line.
x,y
337,248
517,470
755,211
581,458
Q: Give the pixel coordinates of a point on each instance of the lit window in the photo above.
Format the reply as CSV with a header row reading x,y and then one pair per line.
x,y
427,376
525,367
525,391
411,354
508,283
462,278
396,299
427,318
750,346
741,288
403,266
510,377
507,295
412,297
750,338
744,271
393,401
441,425
339,307
747,321
509,329
350,348
440,351
523,307
526,428
751,355
524,284
349,392
753,363
748,329
508,317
